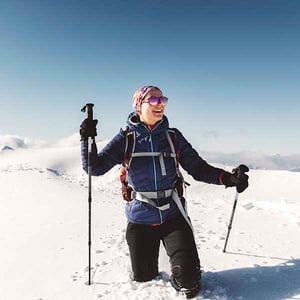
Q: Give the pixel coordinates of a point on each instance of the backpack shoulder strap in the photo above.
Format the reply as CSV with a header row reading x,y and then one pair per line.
x,y
172,138
173,141
129,148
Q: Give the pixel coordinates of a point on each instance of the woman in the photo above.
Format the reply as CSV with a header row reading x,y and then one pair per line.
x,y
156,213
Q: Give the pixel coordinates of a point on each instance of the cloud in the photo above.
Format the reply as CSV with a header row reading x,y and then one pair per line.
x,y
69,141
15,142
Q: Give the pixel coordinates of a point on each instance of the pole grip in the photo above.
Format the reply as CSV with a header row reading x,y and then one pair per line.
x,y
89,109
240,170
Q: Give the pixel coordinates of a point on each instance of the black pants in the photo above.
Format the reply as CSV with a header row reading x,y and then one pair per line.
x,y
178,240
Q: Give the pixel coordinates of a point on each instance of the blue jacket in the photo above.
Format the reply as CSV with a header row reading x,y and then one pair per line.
x,y
145,173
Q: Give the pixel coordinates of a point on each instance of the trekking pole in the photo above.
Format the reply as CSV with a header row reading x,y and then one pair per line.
x,y
239,170
89,108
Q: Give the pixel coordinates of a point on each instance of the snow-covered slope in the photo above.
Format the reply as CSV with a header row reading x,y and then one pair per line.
x,y
44,233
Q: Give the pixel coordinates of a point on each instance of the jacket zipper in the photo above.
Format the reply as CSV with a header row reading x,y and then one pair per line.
x,y
155,175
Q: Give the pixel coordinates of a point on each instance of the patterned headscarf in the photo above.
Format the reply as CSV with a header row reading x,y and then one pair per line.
x,y
140,94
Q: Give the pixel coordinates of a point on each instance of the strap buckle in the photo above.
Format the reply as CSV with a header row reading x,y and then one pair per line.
x,y
161,194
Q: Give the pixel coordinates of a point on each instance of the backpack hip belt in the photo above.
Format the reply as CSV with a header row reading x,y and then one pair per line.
x,y
147,197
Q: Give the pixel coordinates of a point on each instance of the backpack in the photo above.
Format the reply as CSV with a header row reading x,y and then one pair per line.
x,y
129,154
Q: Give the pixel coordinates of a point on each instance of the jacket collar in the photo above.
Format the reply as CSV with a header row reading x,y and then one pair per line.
x,y
134,123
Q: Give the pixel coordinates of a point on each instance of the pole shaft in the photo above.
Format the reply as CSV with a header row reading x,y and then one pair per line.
x,y
231,219
90,208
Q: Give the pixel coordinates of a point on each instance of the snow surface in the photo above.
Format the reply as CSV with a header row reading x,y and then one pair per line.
x,y
44,233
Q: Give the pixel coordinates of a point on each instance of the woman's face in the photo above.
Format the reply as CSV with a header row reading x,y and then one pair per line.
x,y
149,114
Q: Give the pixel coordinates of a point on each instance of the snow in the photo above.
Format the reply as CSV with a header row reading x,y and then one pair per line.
x,y
44,232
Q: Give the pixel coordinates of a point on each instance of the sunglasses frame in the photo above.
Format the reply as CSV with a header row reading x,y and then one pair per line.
x,y
153,101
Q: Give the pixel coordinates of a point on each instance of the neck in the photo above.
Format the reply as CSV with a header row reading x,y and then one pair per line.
x,y
150,127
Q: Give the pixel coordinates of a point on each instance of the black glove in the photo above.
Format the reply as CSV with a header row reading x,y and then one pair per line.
x,y
237,178
88,129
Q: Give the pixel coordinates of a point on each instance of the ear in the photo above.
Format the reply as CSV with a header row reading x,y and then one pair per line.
x,y
138,109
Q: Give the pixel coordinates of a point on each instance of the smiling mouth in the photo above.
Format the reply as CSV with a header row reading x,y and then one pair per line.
x,y
158,111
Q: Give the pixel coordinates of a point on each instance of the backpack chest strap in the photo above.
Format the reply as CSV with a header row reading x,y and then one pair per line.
x,y
160,155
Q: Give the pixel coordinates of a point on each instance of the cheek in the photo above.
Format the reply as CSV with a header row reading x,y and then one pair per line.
x,y
144,109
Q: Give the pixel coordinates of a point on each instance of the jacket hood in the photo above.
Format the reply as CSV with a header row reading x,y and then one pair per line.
x,y
134,123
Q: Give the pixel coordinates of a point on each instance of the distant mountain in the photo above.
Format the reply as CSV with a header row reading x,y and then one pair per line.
x,y
5,148
255,160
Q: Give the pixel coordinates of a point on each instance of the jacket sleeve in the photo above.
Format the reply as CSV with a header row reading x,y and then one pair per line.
x,y
197,167
111,155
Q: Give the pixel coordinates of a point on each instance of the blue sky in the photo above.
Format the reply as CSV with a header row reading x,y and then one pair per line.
x,y
231,69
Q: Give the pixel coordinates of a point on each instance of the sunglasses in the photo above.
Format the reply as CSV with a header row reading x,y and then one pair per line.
x,y
156,100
